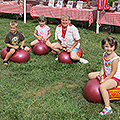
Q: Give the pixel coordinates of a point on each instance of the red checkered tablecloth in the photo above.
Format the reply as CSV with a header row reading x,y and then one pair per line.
x,y
54,12
11,8
111,18
14,8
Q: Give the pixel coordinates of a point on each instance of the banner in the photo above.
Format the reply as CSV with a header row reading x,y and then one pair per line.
x,y
103,5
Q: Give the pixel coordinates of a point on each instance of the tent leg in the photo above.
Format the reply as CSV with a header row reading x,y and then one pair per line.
x,y
97,27
24,11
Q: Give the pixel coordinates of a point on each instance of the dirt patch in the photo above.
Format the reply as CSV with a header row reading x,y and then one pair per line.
x,y
56,87
40,92
71,85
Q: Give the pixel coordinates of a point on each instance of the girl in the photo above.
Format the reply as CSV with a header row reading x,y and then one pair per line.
x,y
43,32
109,75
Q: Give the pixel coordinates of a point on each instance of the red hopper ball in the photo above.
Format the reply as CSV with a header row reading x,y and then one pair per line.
x,y
64,57
19,56
40,49
91,91
80,52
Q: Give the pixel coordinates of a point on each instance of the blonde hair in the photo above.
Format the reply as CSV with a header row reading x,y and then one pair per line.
x,y
14,23
66,17
42,18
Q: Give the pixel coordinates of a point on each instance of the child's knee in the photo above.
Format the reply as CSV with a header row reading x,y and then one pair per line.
x,y
89,75
12,51
26,48
31,44
34,42
53,46
73,55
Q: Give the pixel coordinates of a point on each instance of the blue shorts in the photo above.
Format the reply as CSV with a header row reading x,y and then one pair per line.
x,y
74,49
8,48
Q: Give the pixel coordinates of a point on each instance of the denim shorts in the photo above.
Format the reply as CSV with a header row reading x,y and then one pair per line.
x,y
74,49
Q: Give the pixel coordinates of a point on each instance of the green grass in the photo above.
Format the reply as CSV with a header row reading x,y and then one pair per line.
x,y
44,89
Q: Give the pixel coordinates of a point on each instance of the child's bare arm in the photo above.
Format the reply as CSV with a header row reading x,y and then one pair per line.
x,y
100,76
35,34
102,70
49,34
12,46
72,47
22,44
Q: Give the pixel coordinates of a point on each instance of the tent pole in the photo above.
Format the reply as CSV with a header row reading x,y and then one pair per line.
x,y
97,27
24,11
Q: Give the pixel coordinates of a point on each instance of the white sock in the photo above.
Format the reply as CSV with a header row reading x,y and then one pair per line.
x,y
109,108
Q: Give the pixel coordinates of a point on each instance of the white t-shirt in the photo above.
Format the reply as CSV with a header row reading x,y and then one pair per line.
x,y
72,35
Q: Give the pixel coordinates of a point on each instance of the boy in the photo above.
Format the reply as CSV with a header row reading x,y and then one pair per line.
x,y
12,41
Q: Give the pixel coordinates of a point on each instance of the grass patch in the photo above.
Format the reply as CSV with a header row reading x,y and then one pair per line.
x,y
44,89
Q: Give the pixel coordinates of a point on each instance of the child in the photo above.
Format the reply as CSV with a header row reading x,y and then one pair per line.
x,y
43,32
109,75
12,41
68,39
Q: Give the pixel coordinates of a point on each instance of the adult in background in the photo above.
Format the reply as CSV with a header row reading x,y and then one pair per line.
x,y
68,39
88,5
65,3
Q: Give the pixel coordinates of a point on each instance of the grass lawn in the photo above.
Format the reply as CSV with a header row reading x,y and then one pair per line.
x,y
44,89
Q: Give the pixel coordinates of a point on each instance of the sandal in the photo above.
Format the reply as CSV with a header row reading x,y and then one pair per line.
x,y
5,62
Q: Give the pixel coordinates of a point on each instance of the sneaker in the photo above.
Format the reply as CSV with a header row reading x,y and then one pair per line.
x,y
82,60
56,58
53,52
106,111
5,62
